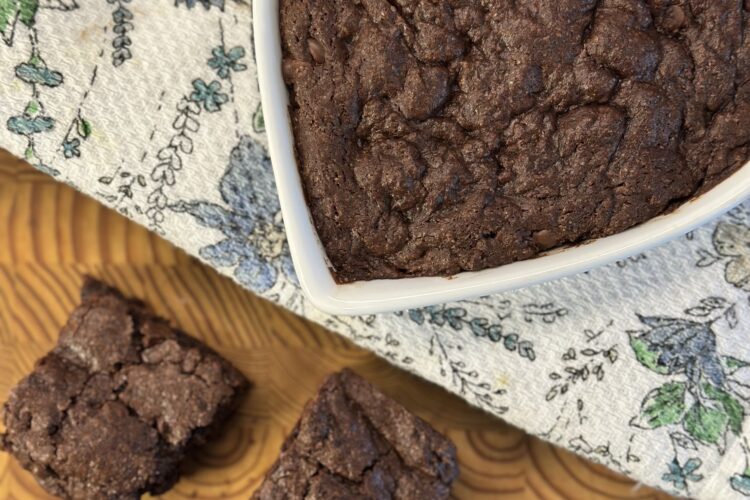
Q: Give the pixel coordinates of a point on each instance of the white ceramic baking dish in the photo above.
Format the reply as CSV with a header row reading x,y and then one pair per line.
x,y
375,296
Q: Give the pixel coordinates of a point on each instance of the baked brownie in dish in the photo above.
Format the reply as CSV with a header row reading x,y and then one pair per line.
x,y
354,442
111,411
440,136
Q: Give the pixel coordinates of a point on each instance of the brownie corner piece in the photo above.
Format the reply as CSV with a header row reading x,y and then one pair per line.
x,y
112,410
352,441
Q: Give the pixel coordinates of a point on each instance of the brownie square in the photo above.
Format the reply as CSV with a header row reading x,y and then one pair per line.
x,y
354,442
112,410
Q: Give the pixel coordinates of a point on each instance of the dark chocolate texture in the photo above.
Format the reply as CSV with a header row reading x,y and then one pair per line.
x,y
112,410
440,136
354,442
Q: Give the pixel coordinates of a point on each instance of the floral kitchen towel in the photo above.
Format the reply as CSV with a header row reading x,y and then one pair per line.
x,y
152,107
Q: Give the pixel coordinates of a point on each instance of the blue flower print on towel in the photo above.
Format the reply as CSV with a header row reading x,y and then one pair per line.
x,y
209,95
225,62
741,483
71,148
254,241
206,3
679,475
679,346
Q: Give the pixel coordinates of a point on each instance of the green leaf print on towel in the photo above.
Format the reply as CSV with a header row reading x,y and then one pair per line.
x,y
13,11
701,396
662,406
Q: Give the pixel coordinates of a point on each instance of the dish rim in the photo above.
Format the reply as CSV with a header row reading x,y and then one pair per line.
x,y
378,296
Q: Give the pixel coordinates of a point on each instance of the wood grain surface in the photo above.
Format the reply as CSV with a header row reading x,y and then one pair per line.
x,y
50,236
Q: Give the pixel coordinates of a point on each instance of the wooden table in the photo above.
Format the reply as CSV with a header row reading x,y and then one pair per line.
x,y
50,236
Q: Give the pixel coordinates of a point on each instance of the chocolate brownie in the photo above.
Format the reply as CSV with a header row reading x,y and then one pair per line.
x,y
112,410
354,442
440,136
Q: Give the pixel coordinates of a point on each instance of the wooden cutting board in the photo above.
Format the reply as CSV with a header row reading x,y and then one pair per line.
x,y
50,236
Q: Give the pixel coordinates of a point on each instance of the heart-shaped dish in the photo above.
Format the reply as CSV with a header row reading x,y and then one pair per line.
x,y
366,297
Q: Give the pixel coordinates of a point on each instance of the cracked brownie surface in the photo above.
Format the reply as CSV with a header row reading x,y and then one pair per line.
x,y
111,411
354,442
440,136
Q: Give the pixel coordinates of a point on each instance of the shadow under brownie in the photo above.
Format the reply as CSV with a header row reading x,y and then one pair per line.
x,y
112,410
435,137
